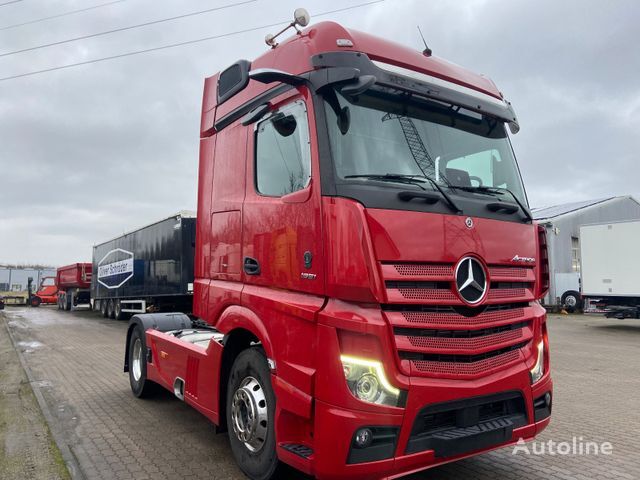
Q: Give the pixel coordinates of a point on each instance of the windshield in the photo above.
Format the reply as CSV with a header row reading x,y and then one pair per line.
x,y
48,282
381,132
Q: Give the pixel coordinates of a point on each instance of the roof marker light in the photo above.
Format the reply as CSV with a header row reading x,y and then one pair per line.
x,y
344,42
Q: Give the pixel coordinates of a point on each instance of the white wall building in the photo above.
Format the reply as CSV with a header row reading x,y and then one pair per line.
x,y
563,223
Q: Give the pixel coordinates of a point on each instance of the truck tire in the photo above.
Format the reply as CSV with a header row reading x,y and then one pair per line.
x,y
571,300
117,311
252,437
68,305
110,309
103,308
35,301
140,385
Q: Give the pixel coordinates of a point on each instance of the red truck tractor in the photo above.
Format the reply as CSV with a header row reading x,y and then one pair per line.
x,y
367,272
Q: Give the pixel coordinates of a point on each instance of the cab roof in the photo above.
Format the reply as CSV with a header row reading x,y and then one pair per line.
x,y
294,55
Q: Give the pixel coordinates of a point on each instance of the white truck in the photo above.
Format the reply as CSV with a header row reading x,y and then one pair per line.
x,y
610,266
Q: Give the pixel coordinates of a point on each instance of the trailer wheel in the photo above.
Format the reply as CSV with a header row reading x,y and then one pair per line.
x,y
35,301
250,412
103,308
117,311
571,300
140,385
110,309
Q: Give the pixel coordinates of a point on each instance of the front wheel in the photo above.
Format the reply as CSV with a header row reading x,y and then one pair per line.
x,y
35,301
251,408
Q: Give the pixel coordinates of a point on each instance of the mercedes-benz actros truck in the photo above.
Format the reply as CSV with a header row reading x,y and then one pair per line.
x,y
367,272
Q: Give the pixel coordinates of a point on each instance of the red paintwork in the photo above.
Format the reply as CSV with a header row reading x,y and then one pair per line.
x,y
76,275
304,325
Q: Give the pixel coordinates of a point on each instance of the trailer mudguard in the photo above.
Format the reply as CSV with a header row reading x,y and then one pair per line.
x,y
163,322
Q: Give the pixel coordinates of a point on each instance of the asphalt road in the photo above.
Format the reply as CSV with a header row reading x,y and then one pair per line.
x,y
76,358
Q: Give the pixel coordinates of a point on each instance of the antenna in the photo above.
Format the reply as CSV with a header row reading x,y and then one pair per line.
x,y
300,17
427,51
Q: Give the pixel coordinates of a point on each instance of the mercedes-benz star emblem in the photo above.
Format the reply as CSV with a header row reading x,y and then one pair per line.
x,y
471,280
469,222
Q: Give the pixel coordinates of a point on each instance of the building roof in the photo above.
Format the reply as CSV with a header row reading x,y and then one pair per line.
x,y
544,213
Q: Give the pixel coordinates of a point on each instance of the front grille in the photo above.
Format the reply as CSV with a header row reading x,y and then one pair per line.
x,y
437,334
459,333
457,358
424,270
453,369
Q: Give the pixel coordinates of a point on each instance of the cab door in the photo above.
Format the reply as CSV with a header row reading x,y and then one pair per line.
x,y
281,234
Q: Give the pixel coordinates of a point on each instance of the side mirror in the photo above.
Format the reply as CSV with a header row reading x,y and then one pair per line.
x,y
301,17
344,120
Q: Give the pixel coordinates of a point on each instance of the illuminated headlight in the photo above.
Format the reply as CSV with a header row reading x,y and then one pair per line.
x,y
538,369
367,381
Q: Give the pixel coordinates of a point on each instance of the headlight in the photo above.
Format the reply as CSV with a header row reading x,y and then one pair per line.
x,y
367,381
538,369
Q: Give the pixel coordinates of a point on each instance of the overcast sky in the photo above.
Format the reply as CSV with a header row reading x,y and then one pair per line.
x,y
89,152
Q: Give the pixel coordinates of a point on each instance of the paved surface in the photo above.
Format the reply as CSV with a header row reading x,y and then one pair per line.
x,y
78,363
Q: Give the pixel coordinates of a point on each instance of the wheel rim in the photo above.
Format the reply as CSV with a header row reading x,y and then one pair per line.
x,y
570,301
249,414
136,368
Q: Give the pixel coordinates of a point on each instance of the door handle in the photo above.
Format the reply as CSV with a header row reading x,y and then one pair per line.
x,y
251,266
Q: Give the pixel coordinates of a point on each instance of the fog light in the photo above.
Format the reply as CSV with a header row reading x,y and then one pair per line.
x,y
363,438
547,399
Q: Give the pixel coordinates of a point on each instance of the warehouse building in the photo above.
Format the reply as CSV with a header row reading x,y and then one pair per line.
x,y
15,279
563,223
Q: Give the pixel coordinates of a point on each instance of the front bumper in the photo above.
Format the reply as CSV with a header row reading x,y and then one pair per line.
x,y
336,426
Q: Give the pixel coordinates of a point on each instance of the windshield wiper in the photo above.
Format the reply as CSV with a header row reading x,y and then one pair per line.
x,y
398,177
490,190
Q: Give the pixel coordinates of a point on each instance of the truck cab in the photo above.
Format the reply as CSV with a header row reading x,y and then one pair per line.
x,y
47,293
367,270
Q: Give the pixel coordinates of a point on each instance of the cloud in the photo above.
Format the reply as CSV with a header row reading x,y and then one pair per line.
x,y
89,152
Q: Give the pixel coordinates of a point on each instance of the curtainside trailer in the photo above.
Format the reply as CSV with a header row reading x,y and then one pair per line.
x,y
146,270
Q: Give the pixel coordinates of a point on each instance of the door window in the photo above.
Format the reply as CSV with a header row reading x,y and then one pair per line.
x,y
283,155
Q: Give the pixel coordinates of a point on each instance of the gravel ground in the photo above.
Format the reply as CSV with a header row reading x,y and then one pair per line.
x,y
76,359
27,450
